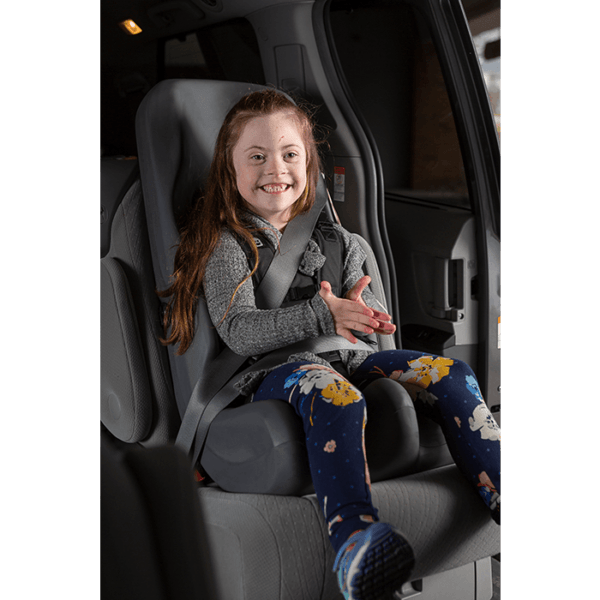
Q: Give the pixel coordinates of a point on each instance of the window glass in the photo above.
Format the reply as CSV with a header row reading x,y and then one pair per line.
x,y
487,45
391,66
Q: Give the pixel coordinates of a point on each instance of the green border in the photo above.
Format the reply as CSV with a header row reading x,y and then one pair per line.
x,y
50,300
550,232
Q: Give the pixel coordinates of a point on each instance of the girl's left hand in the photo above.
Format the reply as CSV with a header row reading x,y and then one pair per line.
x,y
351,312
386,327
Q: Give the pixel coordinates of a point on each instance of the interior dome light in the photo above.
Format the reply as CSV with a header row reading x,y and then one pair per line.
x,y
130,26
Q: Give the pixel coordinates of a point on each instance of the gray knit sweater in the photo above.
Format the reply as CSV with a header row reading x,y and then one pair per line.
x,y
250,331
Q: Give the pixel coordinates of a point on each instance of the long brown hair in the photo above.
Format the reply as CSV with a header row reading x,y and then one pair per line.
x,y
221,207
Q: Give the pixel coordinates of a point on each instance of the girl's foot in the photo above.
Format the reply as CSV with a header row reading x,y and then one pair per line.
x,y
373,563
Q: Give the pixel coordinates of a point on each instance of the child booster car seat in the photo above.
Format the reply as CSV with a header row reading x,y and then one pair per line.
x,y
267,535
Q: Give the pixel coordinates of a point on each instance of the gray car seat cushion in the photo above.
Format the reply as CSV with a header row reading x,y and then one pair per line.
x,y
277,548
445,520
176,128
132,290
116,178
260,447
125,409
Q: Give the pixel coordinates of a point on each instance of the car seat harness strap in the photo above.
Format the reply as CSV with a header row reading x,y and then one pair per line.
x,y
306,282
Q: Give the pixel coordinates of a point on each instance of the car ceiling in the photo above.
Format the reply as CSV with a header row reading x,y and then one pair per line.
x,y
159,19
168,18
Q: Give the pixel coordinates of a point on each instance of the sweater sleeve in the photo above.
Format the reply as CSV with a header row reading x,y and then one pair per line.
x,y
246,329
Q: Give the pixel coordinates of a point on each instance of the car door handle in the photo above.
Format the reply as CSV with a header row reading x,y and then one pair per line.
x,y
448,289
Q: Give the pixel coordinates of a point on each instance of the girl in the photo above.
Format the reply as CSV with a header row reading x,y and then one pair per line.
x,y
264,173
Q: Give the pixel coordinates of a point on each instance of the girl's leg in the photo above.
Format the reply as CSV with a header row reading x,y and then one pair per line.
x,y
334,417
445,390
372,558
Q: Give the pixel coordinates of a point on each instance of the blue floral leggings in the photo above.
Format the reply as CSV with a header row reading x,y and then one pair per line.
x,y
334,415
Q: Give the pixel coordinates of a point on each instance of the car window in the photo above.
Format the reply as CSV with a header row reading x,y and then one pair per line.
x,y
486,37
392,69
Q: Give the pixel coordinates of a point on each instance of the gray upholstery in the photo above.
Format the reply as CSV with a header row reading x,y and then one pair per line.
x,y
259,448
137,403
116,178
176,127
276,548
123,402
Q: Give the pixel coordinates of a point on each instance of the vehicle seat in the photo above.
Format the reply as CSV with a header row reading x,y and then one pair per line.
x,y
137,404
442,516
177,125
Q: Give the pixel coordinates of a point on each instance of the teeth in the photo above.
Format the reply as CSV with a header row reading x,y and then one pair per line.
x,y
275,188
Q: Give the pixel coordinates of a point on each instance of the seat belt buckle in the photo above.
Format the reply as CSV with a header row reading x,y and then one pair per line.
x,y
330,356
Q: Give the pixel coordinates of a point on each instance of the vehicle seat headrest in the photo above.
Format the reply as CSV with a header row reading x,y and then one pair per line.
x,y
177,125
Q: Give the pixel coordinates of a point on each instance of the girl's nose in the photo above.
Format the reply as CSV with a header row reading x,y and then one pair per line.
x,y
276,166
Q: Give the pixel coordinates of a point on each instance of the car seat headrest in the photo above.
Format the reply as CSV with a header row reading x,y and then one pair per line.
x,y
177,125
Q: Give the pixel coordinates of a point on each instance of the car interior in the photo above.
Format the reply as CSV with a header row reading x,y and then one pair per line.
x,y
411,168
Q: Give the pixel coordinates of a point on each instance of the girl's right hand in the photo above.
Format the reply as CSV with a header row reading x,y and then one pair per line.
x,y
348,314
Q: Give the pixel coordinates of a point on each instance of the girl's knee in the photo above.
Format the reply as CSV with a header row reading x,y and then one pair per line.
x,y
332,387
324,397
464,373
461,368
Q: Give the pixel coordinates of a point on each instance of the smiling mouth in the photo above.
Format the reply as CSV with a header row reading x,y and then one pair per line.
x,y
275,188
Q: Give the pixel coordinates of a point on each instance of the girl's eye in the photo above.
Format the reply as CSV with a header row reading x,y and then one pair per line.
x,y
257,157
292,154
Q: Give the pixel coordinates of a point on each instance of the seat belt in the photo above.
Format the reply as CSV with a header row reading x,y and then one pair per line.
x,y
281,272
228,392
270,293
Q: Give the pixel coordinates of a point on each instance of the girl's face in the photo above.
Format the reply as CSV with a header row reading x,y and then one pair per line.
x,y
270,166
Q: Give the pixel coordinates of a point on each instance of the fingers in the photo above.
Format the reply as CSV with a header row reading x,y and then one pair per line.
x,y
342,304
386,329
381,316
355,295
389,329
358,288
325,290
358,321
351,315
348,335
348,314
